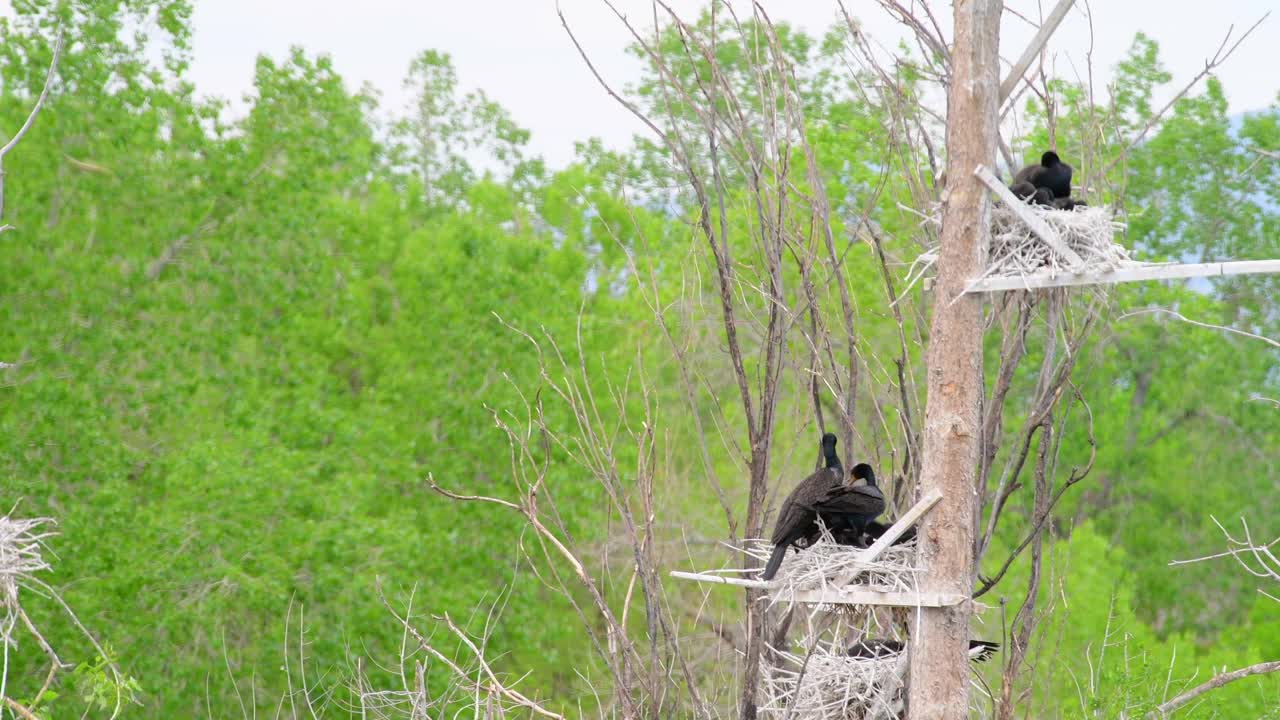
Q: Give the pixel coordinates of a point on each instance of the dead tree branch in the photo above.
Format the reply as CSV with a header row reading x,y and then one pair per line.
x,y
31,118
1213,683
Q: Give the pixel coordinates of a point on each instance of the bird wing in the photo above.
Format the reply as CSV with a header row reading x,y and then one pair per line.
x,y
1029,174
798,511
860,500
782,528
982,650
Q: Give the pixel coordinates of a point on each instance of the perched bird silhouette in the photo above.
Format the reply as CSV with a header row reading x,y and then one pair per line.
x,y
849,512
825,494
979,650
798,517
1051,173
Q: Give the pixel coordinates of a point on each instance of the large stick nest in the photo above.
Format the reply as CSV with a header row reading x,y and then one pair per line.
x,y
1016,251
21,556
816,567
1089,231
830,684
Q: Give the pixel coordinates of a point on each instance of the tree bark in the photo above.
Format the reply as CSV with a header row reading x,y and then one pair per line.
x,y
952,425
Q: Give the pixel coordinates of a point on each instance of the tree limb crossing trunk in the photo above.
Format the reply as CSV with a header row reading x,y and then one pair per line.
x,y
952,426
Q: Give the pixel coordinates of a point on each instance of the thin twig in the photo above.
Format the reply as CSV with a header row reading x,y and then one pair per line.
x,y
1213,683
44,94
1197,323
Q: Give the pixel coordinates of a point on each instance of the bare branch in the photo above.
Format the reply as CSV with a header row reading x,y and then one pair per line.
x,y
1213,683
44,94
1019,69
31,118
1197,323
1210,65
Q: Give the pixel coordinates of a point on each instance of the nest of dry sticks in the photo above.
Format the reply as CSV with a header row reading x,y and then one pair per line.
x,y
828,683
1089,231
21,555
1017,251
817,567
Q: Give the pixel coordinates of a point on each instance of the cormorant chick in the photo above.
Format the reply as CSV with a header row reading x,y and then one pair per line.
x,y
1068,203
1051,173
876,529
798,516
1032,194
979,650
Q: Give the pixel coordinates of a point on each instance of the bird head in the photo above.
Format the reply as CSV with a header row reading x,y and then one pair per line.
x,y
863,471
829,455
1050,158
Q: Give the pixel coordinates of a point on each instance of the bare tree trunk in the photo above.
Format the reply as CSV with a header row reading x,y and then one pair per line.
x,y
952,426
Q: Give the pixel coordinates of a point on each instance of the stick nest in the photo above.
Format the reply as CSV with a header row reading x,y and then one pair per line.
x,y
817,567
1089,231
830,684
21,555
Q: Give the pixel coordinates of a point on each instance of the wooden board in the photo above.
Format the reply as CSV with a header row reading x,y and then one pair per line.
x,y
874,597
1170,271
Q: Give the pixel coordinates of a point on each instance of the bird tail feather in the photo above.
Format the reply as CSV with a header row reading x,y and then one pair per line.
x,y
982,650
775,562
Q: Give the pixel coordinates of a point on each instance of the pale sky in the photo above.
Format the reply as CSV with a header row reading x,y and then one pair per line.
x,y
519,54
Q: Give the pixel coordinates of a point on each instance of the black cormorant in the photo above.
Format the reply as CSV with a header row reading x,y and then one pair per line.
x,y
1051,173
875,529
979,650
849,511
798,516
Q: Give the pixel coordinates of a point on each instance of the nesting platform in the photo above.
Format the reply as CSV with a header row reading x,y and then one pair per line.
x,y
827,573
1040,247
828,683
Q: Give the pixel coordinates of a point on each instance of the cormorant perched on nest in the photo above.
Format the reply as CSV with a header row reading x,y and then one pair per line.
x,y
979,650
798,517
1051,173
824,494
849,513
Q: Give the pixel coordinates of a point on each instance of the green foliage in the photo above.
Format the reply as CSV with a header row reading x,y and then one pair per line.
x,y
242,346
98,687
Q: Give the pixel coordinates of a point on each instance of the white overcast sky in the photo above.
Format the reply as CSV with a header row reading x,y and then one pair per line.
x,y
518,53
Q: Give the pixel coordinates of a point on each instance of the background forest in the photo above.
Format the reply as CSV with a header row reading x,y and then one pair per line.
x,y
238,349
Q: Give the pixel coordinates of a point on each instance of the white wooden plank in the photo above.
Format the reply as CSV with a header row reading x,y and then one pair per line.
x,y
720,579
849,596
900,526
1171,271
874,597
1023,211
1037,44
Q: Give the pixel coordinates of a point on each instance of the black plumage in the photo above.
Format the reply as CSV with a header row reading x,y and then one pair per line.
x,y
798,517
979,650
825,494
1032,194
848,512
875,529
1051,173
